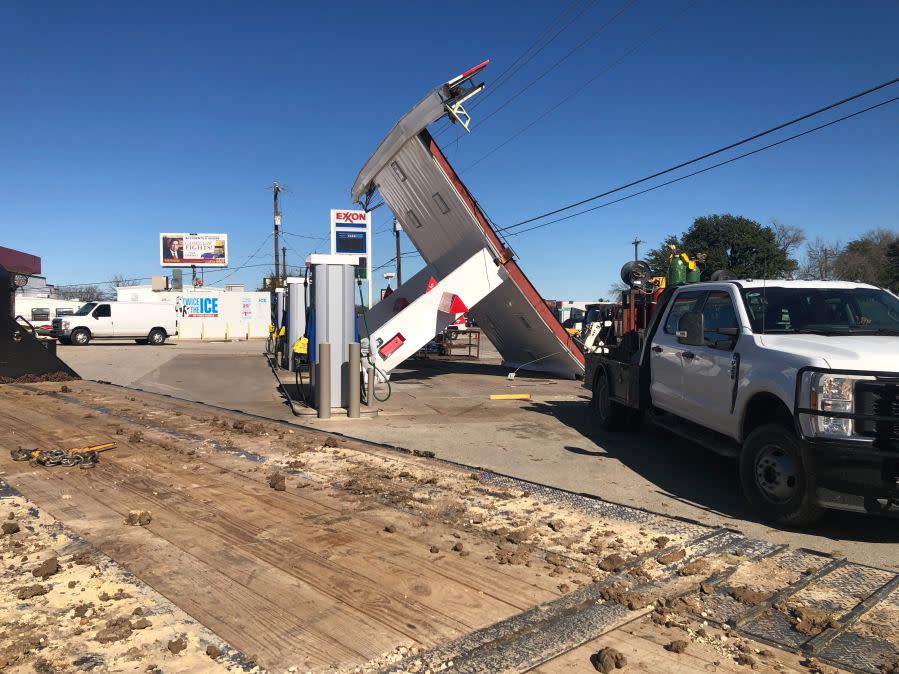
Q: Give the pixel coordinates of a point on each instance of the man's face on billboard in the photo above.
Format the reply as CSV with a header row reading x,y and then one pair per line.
x,y
176,244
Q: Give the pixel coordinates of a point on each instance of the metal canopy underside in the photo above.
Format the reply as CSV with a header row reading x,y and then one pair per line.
x,y
447,227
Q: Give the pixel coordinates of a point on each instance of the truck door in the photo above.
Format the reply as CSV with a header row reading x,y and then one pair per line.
x,y
710,374
101,325
666,362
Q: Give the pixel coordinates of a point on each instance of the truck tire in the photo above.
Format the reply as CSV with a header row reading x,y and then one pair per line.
x,y
156,337
80,337
776,478
612,416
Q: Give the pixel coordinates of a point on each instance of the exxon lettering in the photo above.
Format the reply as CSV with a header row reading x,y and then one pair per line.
x,y
351,216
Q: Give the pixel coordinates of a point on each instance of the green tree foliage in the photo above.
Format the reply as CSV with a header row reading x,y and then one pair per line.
x,y
871,258
738,244
658,257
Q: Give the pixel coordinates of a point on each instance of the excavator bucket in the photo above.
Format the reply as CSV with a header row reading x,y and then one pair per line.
x,y
24,357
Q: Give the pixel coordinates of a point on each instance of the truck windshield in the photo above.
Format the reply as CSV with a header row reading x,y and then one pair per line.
x,y
86,309
826,311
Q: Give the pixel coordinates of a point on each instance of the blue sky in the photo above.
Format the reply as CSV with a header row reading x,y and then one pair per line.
x,y
122,120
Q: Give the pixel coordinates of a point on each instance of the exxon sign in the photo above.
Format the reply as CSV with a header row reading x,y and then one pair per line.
x,y
350,219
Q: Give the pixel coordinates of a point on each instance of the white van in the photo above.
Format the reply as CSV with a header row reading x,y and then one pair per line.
x,y
145,322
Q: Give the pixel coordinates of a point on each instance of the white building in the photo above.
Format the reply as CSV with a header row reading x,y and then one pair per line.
x,y
42,310
211,313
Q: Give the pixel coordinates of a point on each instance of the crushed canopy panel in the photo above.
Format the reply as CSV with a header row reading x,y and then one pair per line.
x,y
447,227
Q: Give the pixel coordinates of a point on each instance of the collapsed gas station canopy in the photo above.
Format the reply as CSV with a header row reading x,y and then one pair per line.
x,y
447,226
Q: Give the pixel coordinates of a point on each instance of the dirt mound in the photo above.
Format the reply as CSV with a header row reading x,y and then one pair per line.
x,y
138,518
812,621
677,646
46,568
746,595
607,660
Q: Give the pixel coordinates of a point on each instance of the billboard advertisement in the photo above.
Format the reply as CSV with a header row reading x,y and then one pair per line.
x,y
179,249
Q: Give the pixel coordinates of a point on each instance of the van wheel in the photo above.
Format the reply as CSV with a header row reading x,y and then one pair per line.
x,y
612,416
776,478
156,337
80,337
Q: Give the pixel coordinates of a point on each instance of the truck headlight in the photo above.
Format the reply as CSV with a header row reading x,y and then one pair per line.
x,y
64,325
825,392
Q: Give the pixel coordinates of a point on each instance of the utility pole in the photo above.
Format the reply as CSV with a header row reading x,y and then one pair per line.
x,y
277,189
636,244
399,260
824,271
283,263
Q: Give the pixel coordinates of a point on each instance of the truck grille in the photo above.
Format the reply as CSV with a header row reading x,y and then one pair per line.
x,y
879,398
57,324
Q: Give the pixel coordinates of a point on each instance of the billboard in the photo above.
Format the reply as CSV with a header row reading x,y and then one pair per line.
x,y
179,249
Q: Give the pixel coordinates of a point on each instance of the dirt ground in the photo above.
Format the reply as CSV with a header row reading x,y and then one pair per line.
x,y
296,551
66,607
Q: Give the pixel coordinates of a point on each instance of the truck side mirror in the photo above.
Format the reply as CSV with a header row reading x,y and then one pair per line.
x,y
690,329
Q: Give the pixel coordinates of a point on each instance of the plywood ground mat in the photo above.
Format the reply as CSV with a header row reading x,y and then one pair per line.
x,y
290,550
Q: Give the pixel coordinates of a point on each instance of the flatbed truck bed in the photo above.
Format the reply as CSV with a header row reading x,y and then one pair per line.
x,y
374,559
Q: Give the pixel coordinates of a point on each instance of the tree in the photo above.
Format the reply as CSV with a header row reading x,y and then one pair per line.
x,y
893,265
119,281
820,258
788,238
88,293
867,258
658,257
740,245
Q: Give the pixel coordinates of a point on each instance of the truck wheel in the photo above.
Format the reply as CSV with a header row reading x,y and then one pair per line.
x,y
156,337
80,337
611,416
776,479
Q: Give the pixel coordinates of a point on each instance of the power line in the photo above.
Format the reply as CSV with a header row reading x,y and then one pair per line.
x,y
709,168
609,67
307,236
512,70
393,259
242,266
100,283
582,43
751,138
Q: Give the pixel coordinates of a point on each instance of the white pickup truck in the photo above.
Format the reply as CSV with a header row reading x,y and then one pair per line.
x,y
799,379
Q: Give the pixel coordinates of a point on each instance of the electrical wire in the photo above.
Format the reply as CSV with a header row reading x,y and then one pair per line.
x,y
393,259
627,5
610,66
709,168
255,253
720,150
507,74
307,236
